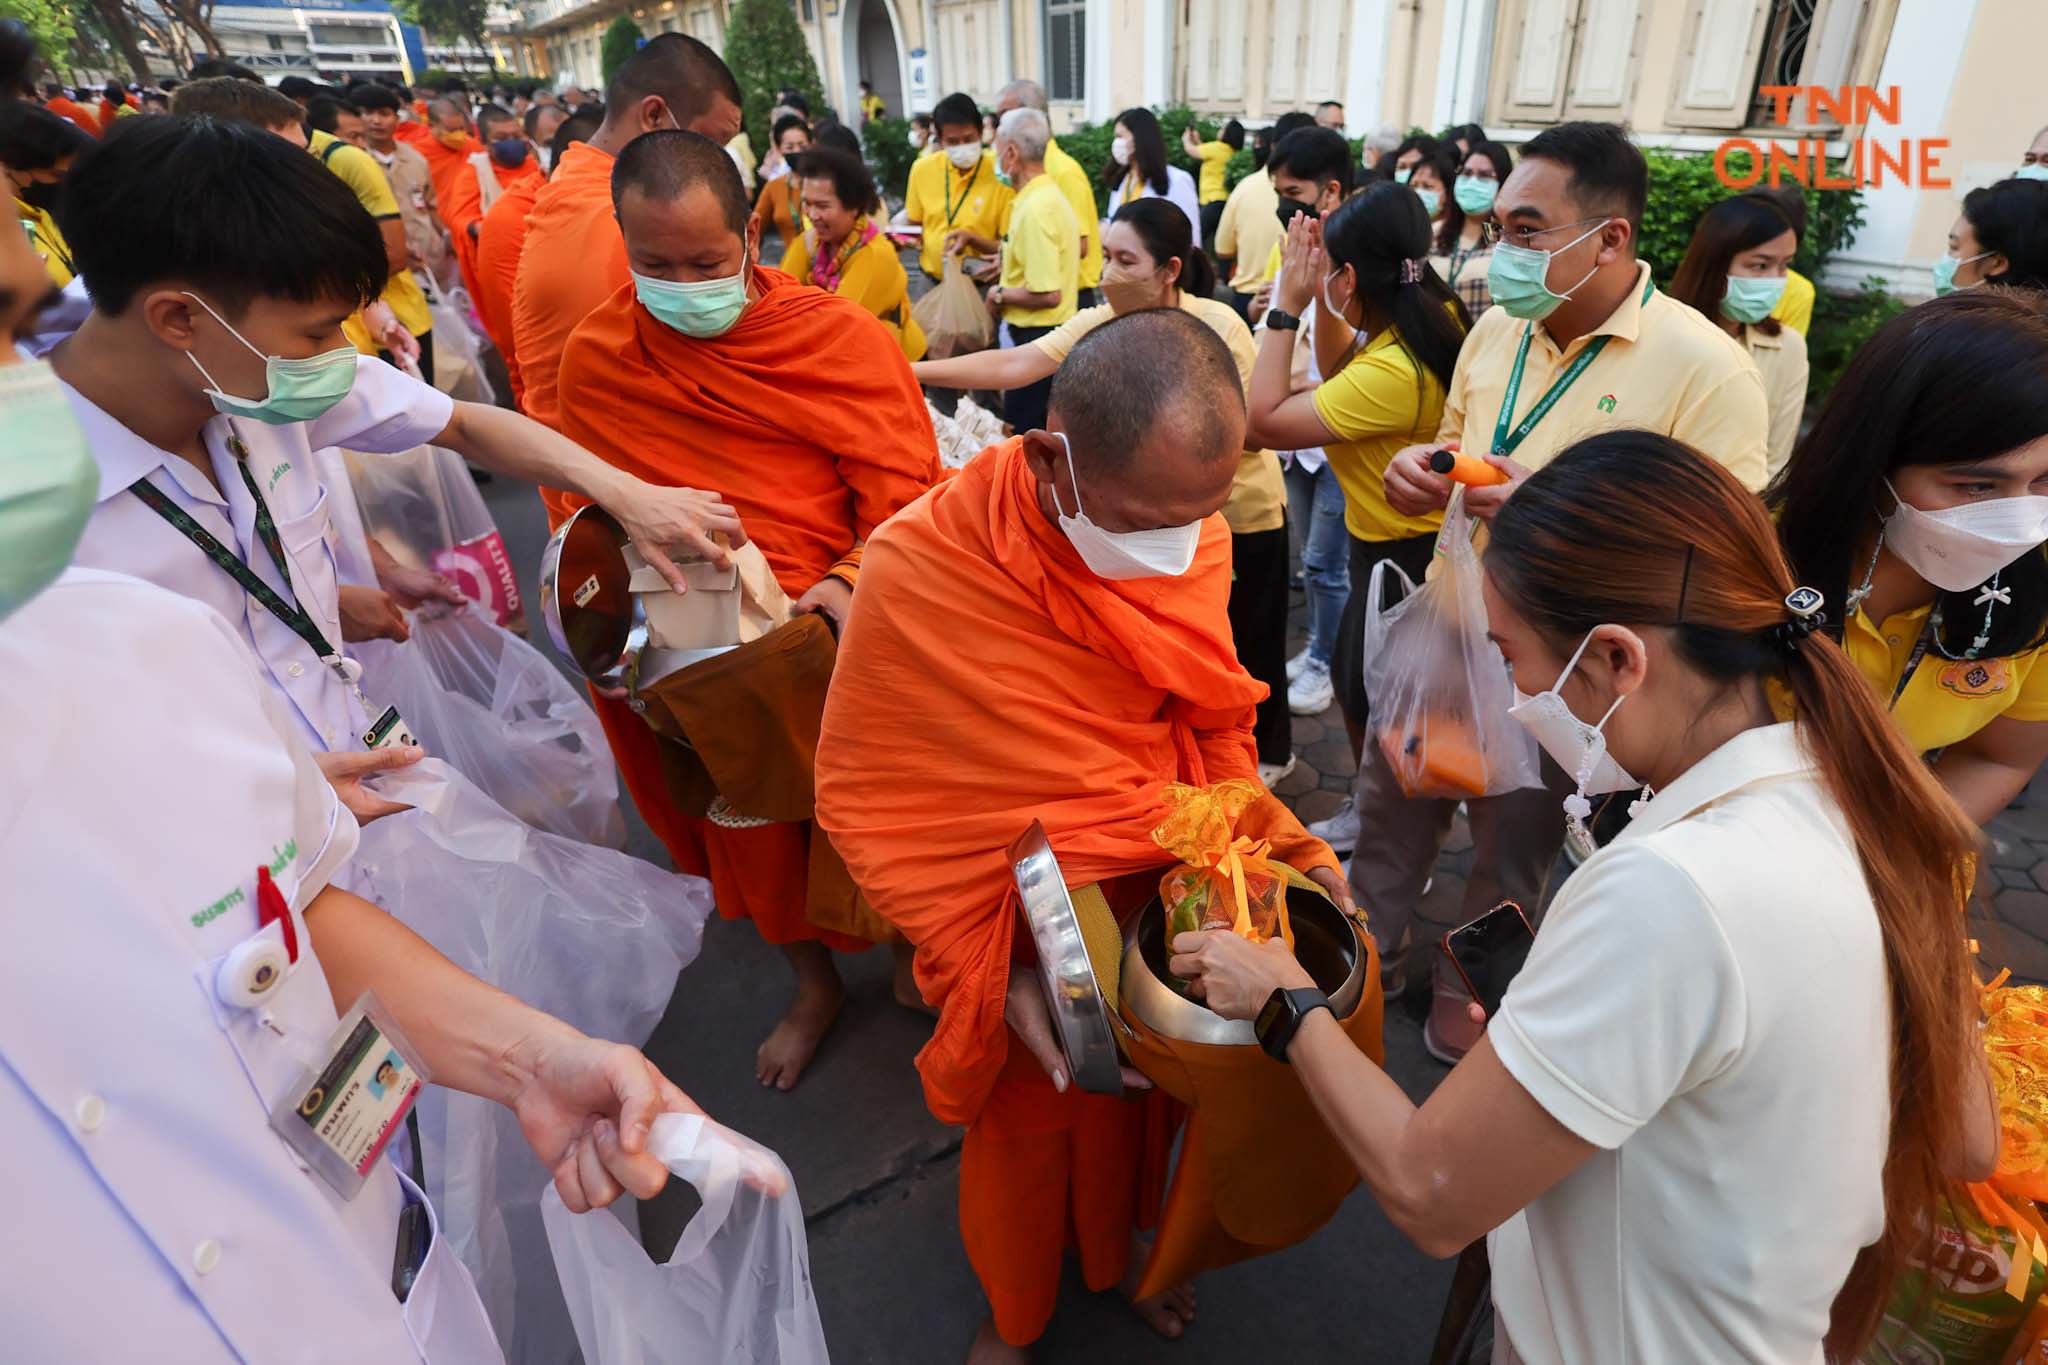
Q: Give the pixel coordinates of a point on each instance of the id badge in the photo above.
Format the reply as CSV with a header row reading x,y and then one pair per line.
x,y
342,1112
388,731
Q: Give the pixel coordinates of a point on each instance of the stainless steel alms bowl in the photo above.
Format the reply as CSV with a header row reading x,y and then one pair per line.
x,y
1325,940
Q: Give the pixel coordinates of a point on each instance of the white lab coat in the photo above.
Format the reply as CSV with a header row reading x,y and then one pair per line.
x,y
153,1214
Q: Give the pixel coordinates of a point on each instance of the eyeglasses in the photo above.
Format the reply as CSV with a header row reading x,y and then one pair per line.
x,y
1491,233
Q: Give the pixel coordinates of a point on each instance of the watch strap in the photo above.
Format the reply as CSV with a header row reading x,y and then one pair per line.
x,y
1280,1028
1280,320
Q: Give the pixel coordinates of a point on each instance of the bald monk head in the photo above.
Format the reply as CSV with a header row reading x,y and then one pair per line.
x,y
1153,412
673,81
450,122
682,210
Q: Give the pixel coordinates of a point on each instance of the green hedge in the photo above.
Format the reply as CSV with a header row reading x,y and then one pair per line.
x,y
887,144
1841,324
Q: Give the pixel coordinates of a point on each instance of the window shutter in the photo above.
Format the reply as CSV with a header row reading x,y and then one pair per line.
x,y
1717,66
1603,58
1532,79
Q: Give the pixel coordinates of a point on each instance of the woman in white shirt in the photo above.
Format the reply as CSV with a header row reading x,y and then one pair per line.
x,y
1712,1117
1137,169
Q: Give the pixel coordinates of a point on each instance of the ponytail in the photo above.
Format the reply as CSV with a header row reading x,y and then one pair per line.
x,y
1634,528
1382,233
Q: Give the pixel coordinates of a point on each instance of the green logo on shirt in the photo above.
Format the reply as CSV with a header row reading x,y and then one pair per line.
x,y
1606,403
281,857
277,473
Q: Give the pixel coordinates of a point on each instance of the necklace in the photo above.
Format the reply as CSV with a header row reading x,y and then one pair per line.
x,y
1989,597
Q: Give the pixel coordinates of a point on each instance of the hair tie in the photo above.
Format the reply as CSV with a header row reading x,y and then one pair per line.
x,y
1805,605
1411,270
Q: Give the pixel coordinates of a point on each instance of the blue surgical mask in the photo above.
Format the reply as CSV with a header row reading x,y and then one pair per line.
x,y
293,390
1519,277
2037,171
1945,272
510,152
1473,194
699,308
48,481
1432,201
1750,298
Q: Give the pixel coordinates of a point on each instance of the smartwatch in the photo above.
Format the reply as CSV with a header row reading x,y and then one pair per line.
x,y
1280,1017
1278,320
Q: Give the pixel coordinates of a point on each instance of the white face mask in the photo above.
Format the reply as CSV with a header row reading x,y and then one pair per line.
x,y
964,157
1116,555
1580,749
1120,150
1956,548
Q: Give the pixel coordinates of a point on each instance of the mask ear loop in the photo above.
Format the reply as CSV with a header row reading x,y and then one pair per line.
x,y
1072,477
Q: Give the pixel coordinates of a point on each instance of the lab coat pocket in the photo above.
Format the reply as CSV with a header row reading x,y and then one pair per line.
x,y
443,1313
282,1034
316,583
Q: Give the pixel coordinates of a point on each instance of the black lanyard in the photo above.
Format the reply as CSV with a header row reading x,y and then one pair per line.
x,y
1920,645
1505,441
226,561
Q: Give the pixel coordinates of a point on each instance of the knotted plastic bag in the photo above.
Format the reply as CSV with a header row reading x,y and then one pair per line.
x,y
1224,880
954,319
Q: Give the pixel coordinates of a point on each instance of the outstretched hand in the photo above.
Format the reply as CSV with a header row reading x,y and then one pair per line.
x,y
1232,975
585,1108
681,522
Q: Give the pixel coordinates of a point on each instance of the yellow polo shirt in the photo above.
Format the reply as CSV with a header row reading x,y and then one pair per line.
x,y
1380,402
358,170
1667,369
1066,172
1258,495
1215,159
1795,305
941,199
1249,231
1041,254
1781,361
47,240
1948,700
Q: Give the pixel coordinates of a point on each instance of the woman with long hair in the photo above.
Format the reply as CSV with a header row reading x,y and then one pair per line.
x,y
841,248
1461,253
1735,273
1713,1116
1386,334
2000,237
1137,169
1920,501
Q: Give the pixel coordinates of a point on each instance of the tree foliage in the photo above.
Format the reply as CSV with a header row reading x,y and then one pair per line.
x,y
49,22
448,18
622,38
765,47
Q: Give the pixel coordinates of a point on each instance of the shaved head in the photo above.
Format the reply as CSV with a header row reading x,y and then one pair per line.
x,y
683,74
664,167
1161,372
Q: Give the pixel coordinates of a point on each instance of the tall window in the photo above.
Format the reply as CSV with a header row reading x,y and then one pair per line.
x,y
1066,49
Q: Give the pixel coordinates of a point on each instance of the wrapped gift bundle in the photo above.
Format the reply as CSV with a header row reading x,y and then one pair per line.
x,y
1224,880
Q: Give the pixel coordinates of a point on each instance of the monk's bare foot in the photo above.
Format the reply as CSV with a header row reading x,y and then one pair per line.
x,y
1168,1313
905,985
786,1051
990,1349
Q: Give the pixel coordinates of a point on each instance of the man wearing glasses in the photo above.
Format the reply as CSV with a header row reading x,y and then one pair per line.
x,y
1581,342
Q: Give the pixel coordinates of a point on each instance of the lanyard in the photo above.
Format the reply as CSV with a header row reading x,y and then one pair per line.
x,y
1920,645
952,207
1505,441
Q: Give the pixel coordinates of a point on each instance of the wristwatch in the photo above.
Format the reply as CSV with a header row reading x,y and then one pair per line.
x,y
1278,320
1281,1016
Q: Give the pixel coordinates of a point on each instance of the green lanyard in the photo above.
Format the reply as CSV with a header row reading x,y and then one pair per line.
x,y
225,560
1505,441
953,208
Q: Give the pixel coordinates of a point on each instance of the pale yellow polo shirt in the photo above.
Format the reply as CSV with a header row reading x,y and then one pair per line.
x,y
1258,495
1249,231
1380,402
1041,254
1781,361
1080,193
1667,369
1948,700
940,199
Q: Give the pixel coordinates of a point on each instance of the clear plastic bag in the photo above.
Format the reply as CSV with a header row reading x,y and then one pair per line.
x,y
592,936
423,508
1438,688
954,318
459,346
737,1289
500,714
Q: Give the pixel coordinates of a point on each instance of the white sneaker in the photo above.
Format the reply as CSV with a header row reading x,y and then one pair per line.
x,y
1296,664
1311,694
1340,831
1272,773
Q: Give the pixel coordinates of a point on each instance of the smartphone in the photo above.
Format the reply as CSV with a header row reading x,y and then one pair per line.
x,y
1489,951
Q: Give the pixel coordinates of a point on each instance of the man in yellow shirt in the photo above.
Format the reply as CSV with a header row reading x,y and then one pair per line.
x,y
957,190
1073,181
1214,159
1247,231
872,106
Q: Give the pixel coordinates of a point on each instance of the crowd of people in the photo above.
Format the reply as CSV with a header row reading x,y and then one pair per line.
x,y
1779,667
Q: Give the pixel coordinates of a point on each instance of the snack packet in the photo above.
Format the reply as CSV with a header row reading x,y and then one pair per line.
x,y
1225,880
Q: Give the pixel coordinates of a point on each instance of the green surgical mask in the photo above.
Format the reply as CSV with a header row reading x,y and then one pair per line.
x,y
1518,277
1751,298
1432,200
1945,272
294,390
48,481
699,308
1473,194
2037,171
1402,176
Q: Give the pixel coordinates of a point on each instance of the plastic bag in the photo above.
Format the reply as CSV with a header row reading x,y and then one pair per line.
x,y
424,509
1224,880
592,936
737,1289
500,714
459,348
954,318
1439,689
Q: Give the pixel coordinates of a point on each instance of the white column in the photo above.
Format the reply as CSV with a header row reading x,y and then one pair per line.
x,y
1096,76
1365,65
1159,49
1462,61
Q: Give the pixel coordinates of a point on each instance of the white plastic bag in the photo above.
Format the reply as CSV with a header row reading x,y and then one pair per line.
x,y
592,936
459,348
1439,689
423,508
500,714
736,1291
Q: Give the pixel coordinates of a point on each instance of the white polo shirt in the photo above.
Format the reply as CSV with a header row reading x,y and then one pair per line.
x,y
1708,1004
153,1214
387,411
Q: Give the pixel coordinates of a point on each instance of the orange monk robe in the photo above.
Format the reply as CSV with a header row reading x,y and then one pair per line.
x,y
461,199
498,246
986,679
413,131
65,107
574,260
806,419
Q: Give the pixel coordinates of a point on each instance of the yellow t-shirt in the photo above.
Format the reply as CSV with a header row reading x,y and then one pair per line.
x,y
1666,369
47,240
358,170
1066,172
1249,230
1795,305
1258,496
1215,159
871,107
1380,402
1948,700
1041,254
941,199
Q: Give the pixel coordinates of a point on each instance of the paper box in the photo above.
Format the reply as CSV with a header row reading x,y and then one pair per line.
x,y
705,617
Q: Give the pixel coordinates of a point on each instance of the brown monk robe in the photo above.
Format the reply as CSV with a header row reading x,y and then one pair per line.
x,y
800,409
1001,668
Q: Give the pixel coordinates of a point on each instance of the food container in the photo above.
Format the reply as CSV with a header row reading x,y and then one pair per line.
x,y
1074,997
594,589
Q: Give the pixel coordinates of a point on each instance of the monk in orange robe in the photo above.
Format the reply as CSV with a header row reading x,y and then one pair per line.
x,y
499,244
574,259
995,672
511,161
798,407
63,106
